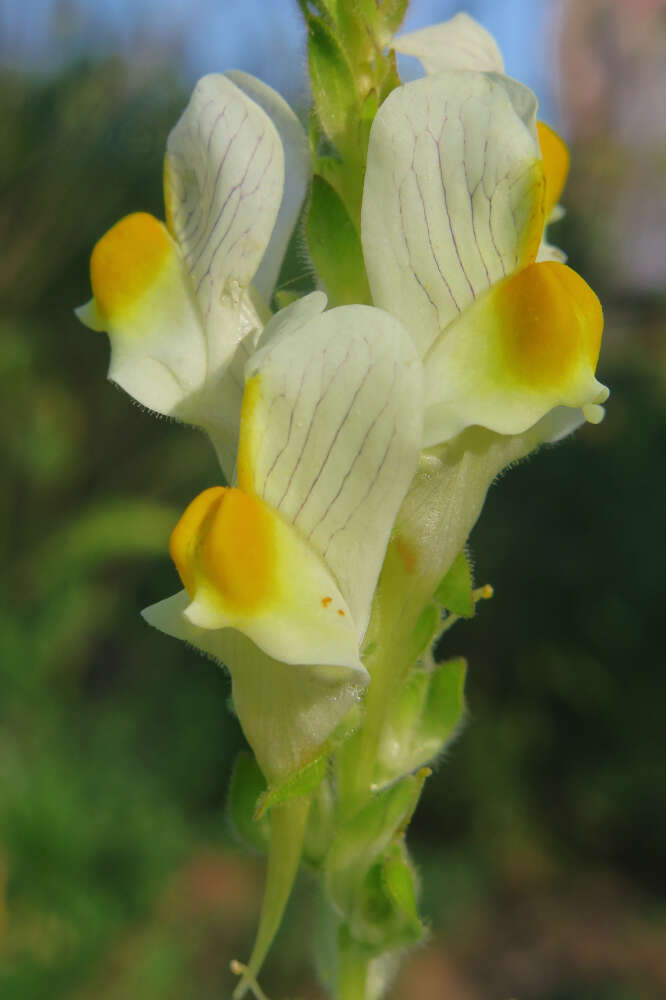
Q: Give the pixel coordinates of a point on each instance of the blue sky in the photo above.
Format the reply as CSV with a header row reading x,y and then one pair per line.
x,y
264,37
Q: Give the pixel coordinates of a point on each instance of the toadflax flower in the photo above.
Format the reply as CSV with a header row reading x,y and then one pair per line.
x,y
316,418
288,558
184,303
460,184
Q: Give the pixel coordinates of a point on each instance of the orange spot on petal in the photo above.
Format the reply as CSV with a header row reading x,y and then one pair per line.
x,y
325,601
341,612
407,553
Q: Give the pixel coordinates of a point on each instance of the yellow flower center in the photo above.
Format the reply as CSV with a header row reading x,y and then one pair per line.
x,y
550,321
225,543
556,160
249,437
126,261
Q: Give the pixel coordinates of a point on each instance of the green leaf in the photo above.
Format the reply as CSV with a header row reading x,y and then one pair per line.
x,y
332,8
284,297
392,15
327,8
399,884
455,591
247,785
424,718
390,78
301,783
399,878
369,9
288,824
320,824
369,109
361,841
333,86
425,630
385,914
395,753
353,33
336,247
444,707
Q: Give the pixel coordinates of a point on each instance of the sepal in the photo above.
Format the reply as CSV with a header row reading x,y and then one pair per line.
x,y
335,246
367,880
245,788
424,719
332,80
288,824
302,782
454,591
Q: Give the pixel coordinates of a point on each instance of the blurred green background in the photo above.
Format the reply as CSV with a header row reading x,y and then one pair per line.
x,y
542,838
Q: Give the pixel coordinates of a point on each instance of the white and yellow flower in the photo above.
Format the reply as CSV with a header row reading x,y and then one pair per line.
x,y
288,557
461,181
185,302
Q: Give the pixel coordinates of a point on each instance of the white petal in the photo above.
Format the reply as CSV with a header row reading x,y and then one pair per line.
x,y
559,423
217,407
245,567
548,251
143,299
523,101
453,196
292,317
530,344
460,43
287,713
160,352
330,435
223,182
296,170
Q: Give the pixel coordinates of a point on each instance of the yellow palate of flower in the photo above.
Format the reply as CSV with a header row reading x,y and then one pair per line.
x,y
225,543
527,345
549,322
246,567
250,431
556,159
127,260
